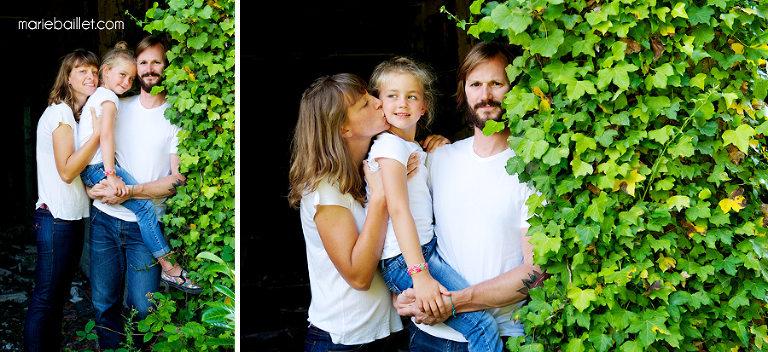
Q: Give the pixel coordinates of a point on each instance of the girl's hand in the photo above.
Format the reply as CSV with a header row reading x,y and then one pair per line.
x,y
432,142
95,122
118,184
429,294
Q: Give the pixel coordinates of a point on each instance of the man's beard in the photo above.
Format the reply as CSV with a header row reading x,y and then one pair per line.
x,y
147,87
479,121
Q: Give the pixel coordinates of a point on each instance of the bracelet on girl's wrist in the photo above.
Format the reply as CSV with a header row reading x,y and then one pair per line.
x,y
417,268
109,172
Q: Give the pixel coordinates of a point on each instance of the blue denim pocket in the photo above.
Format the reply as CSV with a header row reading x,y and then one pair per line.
x,y
318,340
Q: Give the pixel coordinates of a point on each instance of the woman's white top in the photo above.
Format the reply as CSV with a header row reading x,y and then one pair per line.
x,y
391,146
85,128
350,316
66,201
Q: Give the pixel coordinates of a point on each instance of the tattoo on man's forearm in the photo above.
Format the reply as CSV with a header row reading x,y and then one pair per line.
x,y
176,185
535,279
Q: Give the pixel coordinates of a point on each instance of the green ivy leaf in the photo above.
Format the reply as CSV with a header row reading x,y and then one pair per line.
x,y
618,75
543,244
587,233
548,45
648,325
739,137
581,299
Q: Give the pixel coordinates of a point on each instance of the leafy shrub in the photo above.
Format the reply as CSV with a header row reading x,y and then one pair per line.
x,y
200,84
643,125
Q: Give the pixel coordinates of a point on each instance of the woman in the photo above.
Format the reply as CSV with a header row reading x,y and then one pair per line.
x,y
351,307
62,202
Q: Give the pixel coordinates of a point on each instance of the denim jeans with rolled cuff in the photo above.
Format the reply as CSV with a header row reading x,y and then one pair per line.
x,y
479,328
143,208
119,255
59,247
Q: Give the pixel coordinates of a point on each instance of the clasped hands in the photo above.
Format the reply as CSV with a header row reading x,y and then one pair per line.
x,y
108,194
405,305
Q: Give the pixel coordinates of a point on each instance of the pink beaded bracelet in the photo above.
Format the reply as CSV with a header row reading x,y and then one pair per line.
x,y
417,268
109,172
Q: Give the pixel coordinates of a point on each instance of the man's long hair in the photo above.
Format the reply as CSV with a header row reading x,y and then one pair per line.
x,y
318,150
481,52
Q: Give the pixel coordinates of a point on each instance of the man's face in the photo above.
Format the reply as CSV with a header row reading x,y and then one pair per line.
x,y
485,87
149,67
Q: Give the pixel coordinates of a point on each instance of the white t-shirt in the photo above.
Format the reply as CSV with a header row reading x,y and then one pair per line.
x,y
144,143
85,128
391,146
350,316
480,213
66,201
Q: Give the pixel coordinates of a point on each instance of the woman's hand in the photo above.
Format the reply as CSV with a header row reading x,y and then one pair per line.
x,y
432,142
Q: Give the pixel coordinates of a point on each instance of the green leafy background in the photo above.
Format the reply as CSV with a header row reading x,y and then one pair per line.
x,y
642,123
200,84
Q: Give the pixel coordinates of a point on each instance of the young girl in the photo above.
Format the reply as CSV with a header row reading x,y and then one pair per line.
x,y
409,258
117,73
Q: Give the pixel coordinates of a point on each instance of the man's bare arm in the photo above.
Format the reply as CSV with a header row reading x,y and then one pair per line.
x,y
503,290
163,187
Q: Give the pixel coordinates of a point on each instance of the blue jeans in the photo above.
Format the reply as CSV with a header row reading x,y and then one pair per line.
x,y
424,342
319,341
479,328
119,255
143,208
59,247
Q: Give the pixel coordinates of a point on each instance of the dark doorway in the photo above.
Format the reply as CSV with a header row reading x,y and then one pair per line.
x,y
283,48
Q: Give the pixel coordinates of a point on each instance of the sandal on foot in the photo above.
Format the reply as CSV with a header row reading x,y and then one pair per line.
x,y
181,282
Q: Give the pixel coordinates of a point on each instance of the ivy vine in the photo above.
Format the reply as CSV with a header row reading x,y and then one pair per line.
x,y
200,85
643,124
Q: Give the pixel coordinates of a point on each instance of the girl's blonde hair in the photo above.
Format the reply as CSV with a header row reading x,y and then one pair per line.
x,y
61,91
420,71
118,54
318,150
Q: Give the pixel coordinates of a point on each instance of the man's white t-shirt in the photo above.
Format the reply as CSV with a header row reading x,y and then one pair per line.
x,y
350,316
480,213
85,127
144,143
391,146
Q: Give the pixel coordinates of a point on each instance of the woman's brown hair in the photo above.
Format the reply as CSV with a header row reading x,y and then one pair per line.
x,y
61,91
318,150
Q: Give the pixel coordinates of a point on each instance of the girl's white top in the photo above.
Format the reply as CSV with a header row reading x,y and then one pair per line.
x,y
66,201
85,128
391,146
350,316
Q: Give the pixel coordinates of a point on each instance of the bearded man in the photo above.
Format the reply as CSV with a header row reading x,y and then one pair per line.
x,y
480,212
146,146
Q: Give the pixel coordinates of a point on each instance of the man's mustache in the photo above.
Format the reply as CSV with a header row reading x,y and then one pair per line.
x,y
491,103
150,74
